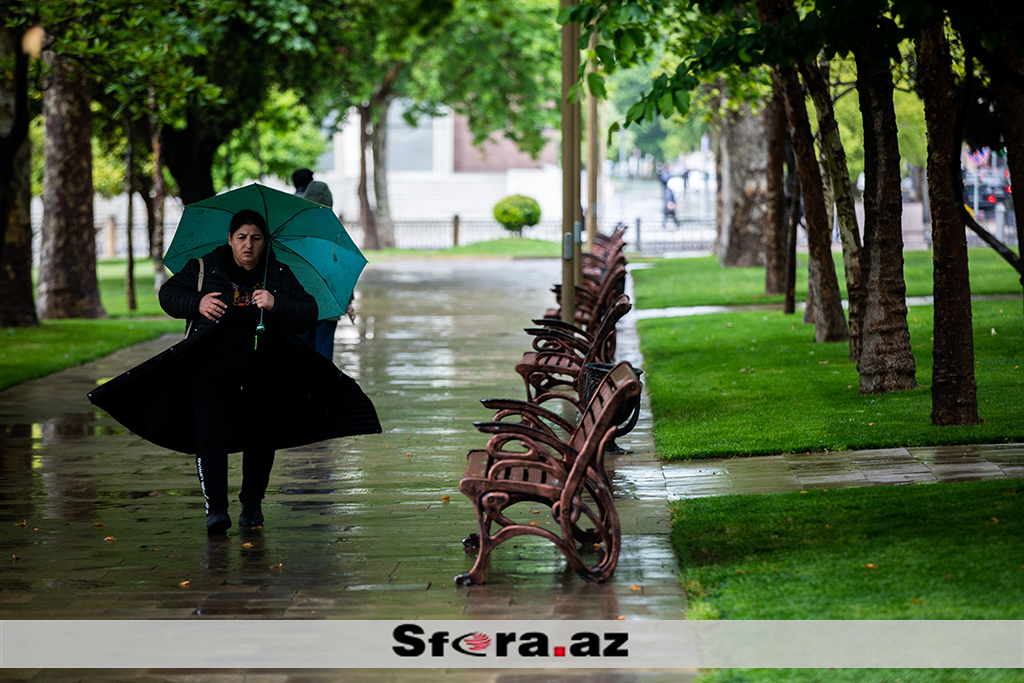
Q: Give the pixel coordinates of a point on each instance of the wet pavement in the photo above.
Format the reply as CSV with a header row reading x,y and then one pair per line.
x,y
99,524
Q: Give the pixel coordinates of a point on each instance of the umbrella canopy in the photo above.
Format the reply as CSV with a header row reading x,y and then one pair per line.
x,y
306,236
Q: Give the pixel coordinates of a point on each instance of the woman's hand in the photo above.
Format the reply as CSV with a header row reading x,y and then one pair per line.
x,y
264,299
211,307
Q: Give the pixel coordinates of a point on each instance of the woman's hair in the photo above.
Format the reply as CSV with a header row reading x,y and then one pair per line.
x,y
248,217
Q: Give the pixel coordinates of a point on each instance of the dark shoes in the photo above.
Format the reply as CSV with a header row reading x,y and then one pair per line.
x,y
217,522
252,515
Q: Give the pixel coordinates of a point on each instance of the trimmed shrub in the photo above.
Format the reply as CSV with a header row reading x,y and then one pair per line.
x,y
517,211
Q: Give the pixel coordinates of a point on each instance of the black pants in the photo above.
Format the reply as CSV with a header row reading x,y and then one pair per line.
x,y
227,404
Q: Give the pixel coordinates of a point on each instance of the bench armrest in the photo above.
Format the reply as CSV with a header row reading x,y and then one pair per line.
x,y
531,413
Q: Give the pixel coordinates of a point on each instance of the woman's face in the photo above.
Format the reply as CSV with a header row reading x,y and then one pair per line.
x,y
247,244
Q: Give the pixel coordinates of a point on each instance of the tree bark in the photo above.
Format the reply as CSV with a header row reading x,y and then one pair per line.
x,y
14,120
816,79
744,202
17,306
792,223
1010,104
378,144
67,273
886,362
954,391
129,187
189,156
370,239
155,207
775,189
829,319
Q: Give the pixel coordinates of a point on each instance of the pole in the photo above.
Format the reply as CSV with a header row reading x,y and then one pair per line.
x,y
577,205
593,158
570,138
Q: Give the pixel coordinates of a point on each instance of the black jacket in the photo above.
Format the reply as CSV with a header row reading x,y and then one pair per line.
x,y
293,307
312,401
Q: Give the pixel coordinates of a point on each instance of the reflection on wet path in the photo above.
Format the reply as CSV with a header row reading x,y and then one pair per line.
x,y
367,527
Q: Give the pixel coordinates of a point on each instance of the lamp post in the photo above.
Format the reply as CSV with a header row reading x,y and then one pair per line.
x,y
570,167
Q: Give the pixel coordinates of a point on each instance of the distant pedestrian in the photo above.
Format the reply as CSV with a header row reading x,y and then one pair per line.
x,y
313,190
321,337
669,208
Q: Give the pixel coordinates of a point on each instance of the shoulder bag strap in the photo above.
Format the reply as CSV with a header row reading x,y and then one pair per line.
x,y
199,288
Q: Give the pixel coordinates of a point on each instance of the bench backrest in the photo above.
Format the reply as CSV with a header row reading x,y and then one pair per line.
x,y
618,386
602,349
612,286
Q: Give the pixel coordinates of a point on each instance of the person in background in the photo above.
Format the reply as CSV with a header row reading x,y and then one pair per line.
x,y
313,190
321,337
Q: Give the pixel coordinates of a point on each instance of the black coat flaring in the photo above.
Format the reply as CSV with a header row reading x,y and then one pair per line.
x,y
310,400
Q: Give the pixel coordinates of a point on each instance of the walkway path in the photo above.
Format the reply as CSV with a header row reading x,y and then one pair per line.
x,y
369,527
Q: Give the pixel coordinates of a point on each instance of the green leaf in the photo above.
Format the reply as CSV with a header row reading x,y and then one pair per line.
x,y
682,101
614,128
636,111
596,84
638,37
624,43
665,104
638,12
575,93
605,54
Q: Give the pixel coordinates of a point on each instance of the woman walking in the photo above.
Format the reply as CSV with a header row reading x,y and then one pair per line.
x,y
241,380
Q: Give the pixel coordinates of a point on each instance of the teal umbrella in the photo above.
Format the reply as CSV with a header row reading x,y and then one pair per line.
x,y
306,236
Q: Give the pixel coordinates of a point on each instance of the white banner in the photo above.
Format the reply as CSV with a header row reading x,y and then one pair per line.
x,y
287,644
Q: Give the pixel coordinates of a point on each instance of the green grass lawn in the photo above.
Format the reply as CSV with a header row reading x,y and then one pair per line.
x,y
27,353
703,282
755,383
945,551
509,247
862,676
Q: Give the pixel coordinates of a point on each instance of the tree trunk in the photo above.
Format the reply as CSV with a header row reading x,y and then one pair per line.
x,y
378,144
828,197
155,207
886,361
829,319
1010,104
816,79
954,392
67,273
366,217
14,118
189,155
129,176
17,306
775,189
792,222
743,151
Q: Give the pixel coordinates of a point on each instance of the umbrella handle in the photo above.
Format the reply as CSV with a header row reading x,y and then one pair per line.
x,y
259,331
260,327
